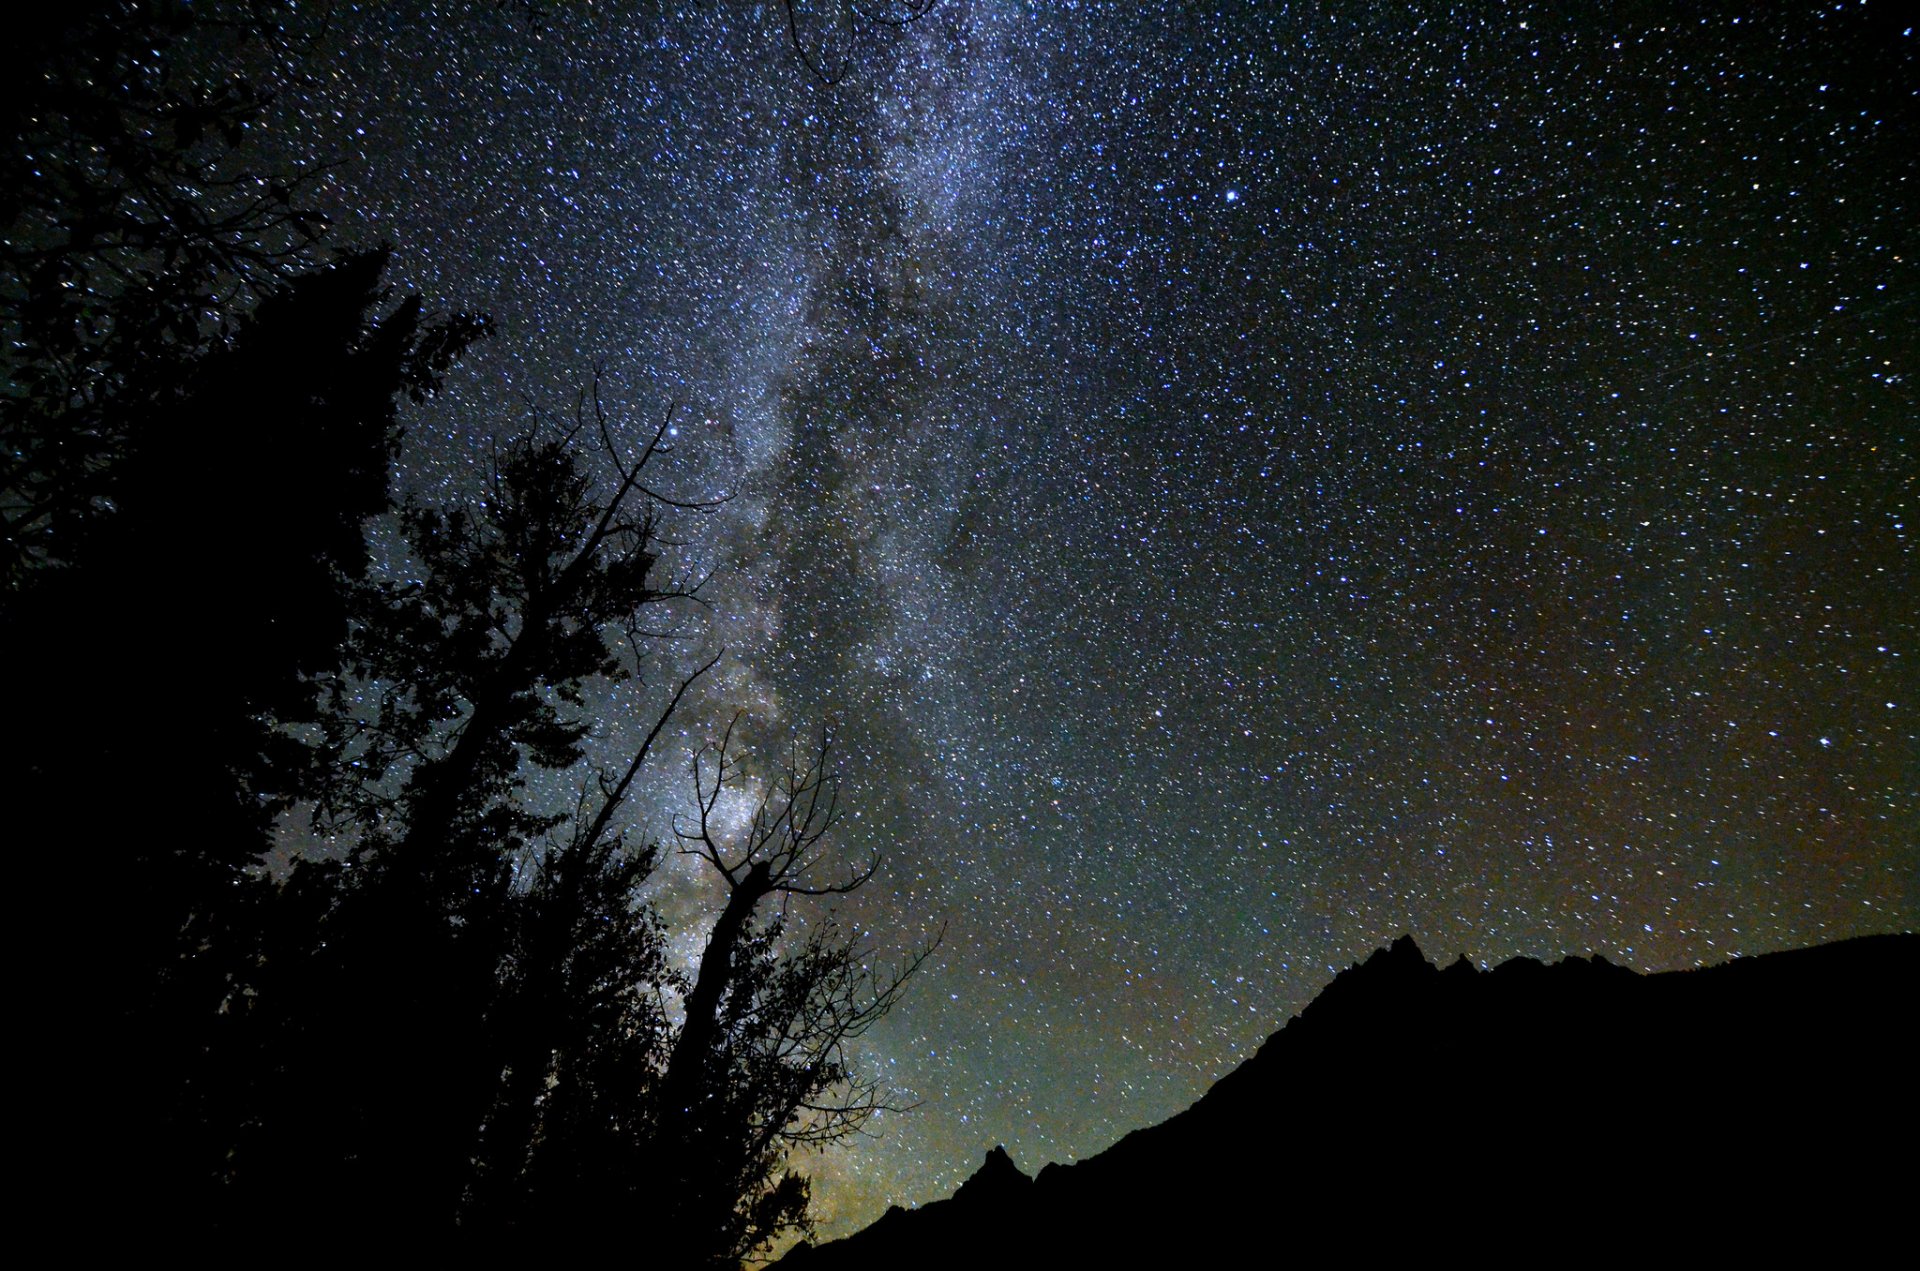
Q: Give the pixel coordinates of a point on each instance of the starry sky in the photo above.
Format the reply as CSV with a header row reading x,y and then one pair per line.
x,y
1247,480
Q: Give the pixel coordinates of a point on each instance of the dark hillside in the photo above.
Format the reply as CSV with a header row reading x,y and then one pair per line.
x,y
1527,1111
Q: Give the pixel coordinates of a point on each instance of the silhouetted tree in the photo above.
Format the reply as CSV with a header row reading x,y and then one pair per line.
x,y
586,1024
165,659
471,1018
458,681
761,1065
198,419
487,1038
824,38
137,232
241,507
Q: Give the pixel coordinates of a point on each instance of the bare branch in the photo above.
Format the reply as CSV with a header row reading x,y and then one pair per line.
x,y
614,793
854,13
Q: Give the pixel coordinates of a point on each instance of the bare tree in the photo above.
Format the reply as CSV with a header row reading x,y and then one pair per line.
x,y
849,16
763,1062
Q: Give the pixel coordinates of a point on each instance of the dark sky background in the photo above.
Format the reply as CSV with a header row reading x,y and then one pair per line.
x,y
1249,479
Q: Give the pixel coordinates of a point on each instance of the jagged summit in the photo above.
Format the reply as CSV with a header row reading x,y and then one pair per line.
x,y
997,1177
1402,952
1540,1110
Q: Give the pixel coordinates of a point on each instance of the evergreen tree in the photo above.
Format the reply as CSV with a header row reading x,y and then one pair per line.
x,y
138,232
487,1038
472,1020
407,1057
197,420
171,653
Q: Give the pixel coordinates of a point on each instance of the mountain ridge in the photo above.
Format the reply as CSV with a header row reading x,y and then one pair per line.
x,y
1722,1102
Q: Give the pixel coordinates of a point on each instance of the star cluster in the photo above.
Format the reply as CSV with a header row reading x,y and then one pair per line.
x,y
1247,479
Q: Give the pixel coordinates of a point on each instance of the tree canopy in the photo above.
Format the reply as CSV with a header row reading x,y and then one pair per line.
x,y
470,1019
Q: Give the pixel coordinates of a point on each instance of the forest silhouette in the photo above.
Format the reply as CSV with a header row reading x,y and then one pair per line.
x,y
467,1019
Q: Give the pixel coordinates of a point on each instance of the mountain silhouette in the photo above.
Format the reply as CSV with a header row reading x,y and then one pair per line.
x,y
1556,1113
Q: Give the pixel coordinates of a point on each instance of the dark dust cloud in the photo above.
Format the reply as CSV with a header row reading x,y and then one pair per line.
x,y
1248,479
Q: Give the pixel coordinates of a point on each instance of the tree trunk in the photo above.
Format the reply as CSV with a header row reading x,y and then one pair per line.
x,y
681,1087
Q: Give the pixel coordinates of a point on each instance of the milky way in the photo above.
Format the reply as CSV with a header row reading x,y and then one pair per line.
x,y
1247,480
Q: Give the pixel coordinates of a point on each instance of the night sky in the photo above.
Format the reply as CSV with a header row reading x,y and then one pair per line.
x,y
1248,480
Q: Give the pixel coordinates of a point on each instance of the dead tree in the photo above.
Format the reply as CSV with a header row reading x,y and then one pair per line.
x,y
852,14
762,1064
